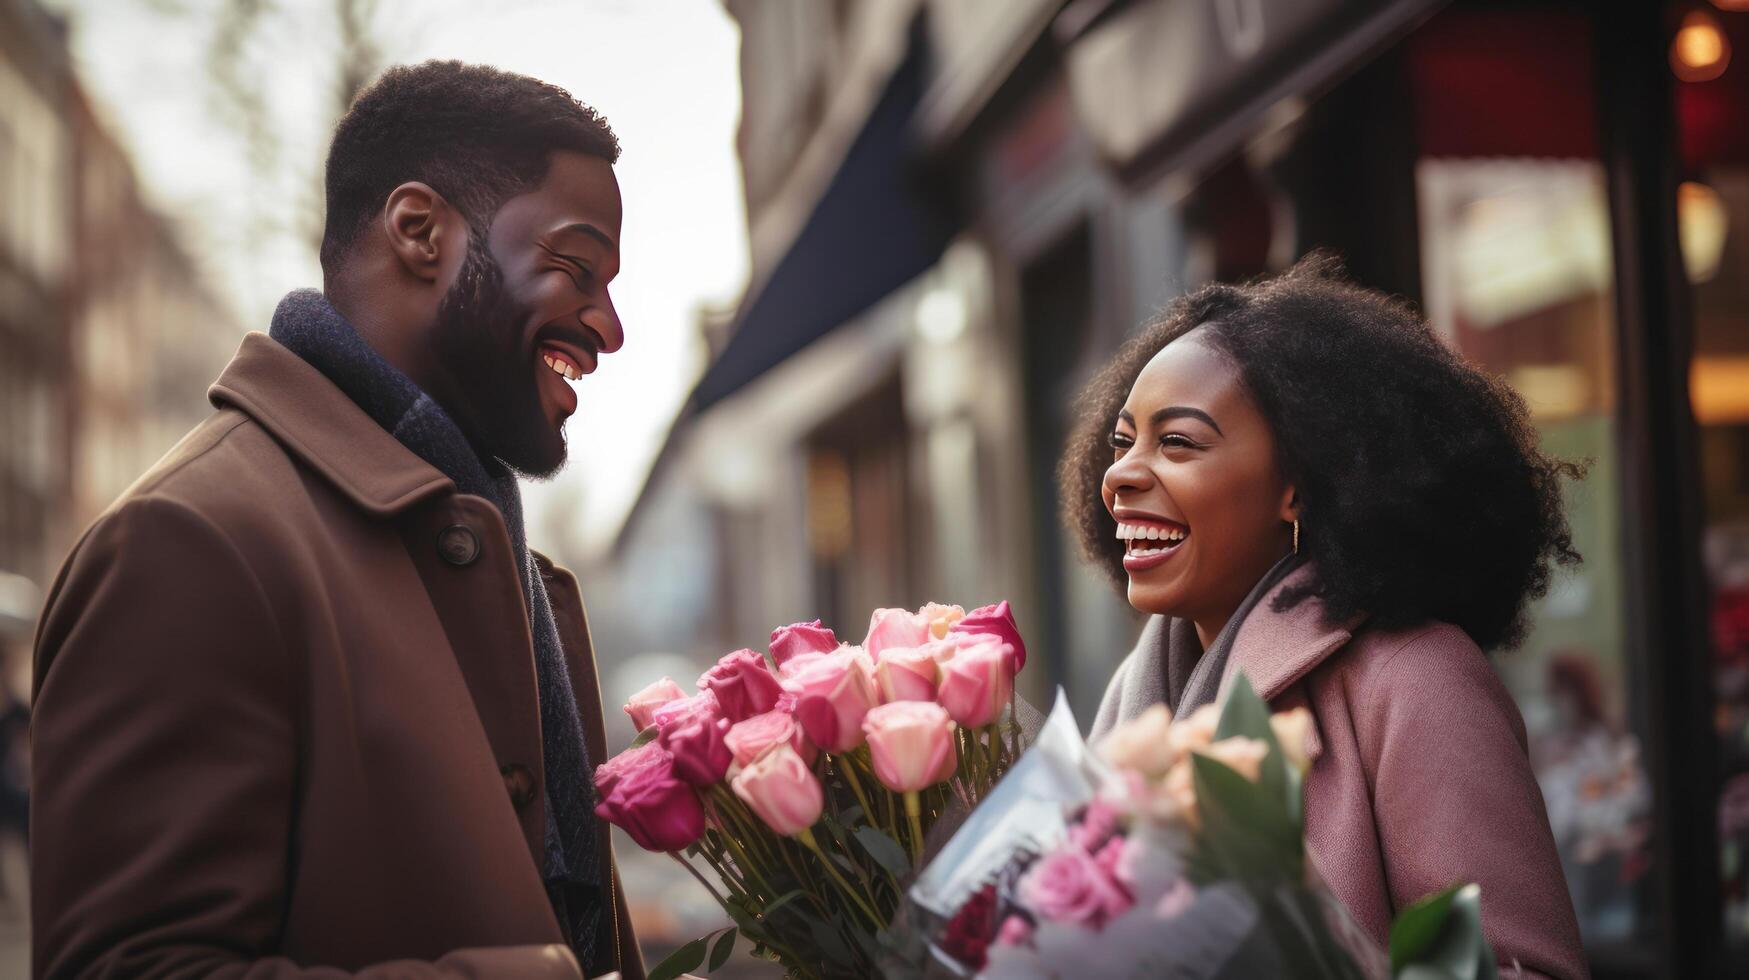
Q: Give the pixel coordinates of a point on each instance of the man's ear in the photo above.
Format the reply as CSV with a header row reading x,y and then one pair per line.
x,y
420,227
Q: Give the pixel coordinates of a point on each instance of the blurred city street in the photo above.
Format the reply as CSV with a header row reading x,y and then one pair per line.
x,y
872,251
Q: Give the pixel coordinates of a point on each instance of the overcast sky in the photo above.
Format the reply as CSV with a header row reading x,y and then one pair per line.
x,y
663,72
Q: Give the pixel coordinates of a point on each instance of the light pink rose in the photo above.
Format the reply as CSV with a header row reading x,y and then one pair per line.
x,y
799,638
894,628
907,674
1069,886
781,790
641,795
744,686
704,703
1015,931
940,618
1240,754
910,744
696,743
644,703
1176,901
833,693
749,739
977,683
997,621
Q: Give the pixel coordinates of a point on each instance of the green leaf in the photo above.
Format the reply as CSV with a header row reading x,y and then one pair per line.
x,y
884,850
720,952
1245,714
683,960
1417,926
1246,832
780,901
1443,938
645,737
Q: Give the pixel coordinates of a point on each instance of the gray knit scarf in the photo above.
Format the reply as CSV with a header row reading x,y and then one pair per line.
x,y
309,326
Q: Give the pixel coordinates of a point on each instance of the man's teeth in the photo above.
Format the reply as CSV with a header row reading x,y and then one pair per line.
x,y
1170,536
562,367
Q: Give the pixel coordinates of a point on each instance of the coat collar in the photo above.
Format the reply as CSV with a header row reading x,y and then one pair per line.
x,y
1277,649
316,422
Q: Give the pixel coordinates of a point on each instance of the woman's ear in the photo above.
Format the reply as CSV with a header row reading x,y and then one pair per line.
x,y
419,225
1290,504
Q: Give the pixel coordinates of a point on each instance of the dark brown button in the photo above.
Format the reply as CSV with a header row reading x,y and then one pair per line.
x,y
458,544
519,781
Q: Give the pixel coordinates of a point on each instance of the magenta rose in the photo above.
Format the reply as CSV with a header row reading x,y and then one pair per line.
x,y
834,692
743,685
643,797
696,741
1070,886
894,628
978,682
799,638
997,621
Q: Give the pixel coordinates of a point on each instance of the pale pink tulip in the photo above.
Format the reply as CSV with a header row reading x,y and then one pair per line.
x,y
749,739
977,683
907,674
833,693
894,628
644,703
781,790
910,744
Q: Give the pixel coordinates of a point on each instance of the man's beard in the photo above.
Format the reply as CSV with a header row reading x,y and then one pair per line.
x,y
494,393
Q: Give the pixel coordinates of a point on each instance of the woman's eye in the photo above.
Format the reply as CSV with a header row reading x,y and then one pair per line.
x,y
1173,440
1119,441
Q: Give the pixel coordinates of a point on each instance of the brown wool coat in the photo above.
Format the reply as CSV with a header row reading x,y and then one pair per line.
x,y
1419,776
286,721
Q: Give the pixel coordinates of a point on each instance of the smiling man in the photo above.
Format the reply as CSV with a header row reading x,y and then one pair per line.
x,y
306,704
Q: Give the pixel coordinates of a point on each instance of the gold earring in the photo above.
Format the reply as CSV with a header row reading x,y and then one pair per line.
x,y
1296,535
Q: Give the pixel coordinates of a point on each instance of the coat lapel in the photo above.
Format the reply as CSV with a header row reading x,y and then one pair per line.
x,y
1276,650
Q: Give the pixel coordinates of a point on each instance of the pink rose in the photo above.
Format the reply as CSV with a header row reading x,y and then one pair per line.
x,y
1069,886
643,797
1099,823
833,693
696,742
997,621
681,709
940,618
644,703
743,685
798,638
910,744
906,674
978,683
749,739
894,628
782,790
1015,931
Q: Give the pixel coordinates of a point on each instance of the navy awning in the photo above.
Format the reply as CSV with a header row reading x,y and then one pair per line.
x,y
871,233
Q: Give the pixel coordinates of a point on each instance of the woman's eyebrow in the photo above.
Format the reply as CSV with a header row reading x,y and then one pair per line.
x,y
1183,412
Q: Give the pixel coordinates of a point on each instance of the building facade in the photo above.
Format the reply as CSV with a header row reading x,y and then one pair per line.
x,y
959,210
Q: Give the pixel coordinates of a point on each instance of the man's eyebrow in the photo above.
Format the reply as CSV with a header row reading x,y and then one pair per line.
x,y
592,231
1185,412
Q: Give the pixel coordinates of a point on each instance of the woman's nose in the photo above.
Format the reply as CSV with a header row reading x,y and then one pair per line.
x,y
1127,475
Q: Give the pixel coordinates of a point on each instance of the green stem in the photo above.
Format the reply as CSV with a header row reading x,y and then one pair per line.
x,y
913,813
874,918
848,767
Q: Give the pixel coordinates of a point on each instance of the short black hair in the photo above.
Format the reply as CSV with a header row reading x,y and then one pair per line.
x,y
1423,492
479,136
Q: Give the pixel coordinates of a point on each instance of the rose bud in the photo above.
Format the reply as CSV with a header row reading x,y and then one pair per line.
x,y
781,790
697,744
910,744
644,703
833,693
977,683
997,621
907,675
894,628
744,686
646,800
1143,744
799,638
748,740
940,618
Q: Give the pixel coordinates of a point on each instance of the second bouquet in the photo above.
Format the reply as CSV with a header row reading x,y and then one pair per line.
x,y
807,777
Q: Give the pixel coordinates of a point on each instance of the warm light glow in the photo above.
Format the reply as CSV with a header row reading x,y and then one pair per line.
x,y
1702,222
1700,52
1732,5
1718,388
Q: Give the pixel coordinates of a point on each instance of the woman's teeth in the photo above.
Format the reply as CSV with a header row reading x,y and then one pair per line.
x,y
563,368
1136,534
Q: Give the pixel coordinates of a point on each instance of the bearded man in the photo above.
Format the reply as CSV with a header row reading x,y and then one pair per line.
x,y
306,703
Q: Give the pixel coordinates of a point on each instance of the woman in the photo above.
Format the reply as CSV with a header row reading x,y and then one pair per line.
x,y
1297,479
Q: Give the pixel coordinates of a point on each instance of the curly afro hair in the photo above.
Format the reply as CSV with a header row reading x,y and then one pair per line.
x,y
477,135
1423,493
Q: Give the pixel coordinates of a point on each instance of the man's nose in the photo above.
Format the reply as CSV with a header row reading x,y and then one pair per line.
x,y
604,320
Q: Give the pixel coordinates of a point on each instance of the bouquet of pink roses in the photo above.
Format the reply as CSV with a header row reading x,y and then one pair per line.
x,y
807,777
1172,848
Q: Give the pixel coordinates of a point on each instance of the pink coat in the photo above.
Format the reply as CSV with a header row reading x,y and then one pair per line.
x,y
1419,778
